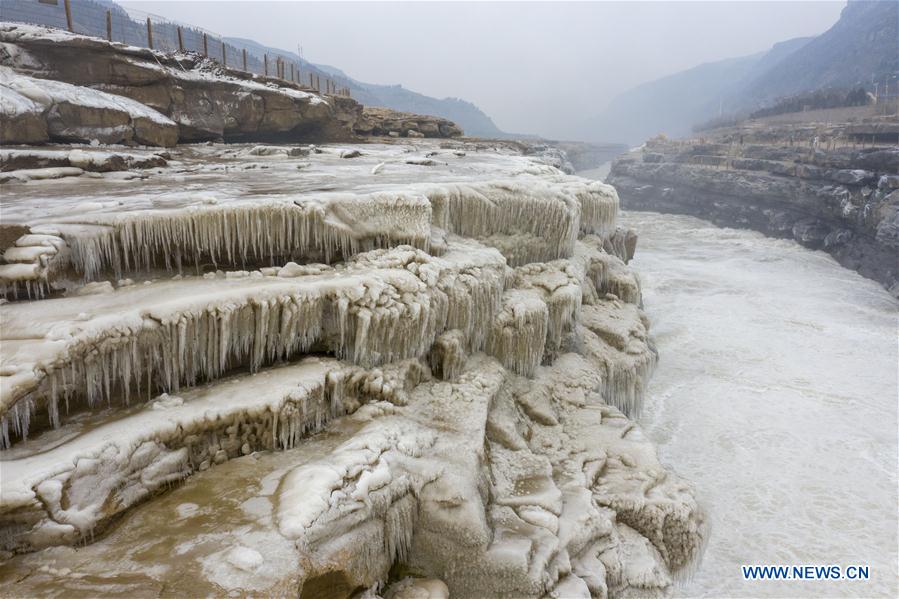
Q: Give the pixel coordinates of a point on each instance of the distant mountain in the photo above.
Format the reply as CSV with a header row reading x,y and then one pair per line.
x,y
860,48
465,114
669,105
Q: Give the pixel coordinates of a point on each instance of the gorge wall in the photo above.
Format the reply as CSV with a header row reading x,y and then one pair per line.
x,y
817,185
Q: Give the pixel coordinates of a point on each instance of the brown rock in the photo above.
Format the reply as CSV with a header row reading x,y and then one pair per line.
x,y
21,120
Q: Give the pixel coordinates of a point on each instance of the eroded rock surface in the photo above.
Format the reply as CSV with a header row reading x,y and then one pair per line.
x,y
379,375
67,87
801,184
386,122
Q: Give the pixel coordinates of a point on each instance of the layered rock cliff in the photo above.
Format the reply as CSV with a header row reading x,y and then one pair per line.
x,y
64,87
819,185
392,369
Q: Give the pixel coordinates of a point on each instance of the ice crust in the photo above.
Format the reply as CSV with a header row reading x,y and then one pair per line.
x,y
328,210
479,349
382,306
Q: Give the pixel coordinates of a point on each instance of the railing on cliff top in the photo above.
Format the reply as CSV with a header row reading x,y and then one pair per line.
x,y
107,20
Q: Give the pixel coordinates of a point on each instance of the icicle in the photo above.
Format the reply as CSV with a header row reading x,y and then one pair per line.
x,y
518,335
4,433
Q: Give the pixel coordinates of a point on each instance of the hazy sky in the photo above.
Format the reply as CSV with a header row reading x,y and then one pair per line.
x,y
535,67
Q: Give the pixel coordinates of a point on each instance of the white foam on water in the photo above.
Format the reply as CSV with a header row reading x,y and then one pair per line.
x,y
776,394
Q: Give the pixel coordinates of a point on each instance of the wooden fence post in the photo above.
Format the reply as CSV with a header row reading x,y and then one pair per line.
x,y
311,81
69,22
205,45
180,40
224,53
291,72
109,25
265,62
244,59
149,33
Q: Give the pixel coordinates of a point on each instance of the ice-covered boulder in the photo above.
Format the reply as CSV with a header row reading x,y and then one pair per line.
x,y
21,119
74,113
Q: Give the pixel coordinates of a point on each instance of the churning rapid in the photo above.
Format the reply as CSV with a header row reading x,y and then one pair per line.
x,y
776,395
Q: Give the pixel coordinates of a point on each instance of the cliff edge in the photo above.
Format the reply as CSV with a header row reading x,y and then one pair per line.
x,y
820,185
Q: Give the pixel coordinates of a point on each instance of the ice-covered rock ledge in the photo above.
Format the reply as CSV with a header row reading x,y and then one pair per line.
x,y
464,425
312,204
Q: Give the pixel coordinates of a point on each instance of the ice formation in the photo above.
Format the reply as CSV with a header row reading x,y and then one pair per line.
x,y
29,263
462,427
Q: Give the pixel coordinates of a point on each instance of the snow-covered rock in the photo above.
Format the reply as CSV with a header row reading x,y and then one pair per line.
x,y
87,159
80,114
21,119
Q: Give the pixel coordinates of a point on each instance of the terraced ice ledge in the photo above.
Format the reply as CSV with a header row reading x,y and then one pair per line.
x,y
276,369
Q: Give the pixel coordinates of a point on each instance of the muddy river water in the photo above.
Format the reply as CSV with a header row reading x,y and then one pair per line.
x,y
776,395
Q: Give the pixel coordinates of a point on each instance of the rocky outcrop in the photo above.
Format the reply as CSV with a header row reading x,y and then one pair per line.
x,y
66,87
585,156
842,200
87,159
40,110
386,122
551,155
204,99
